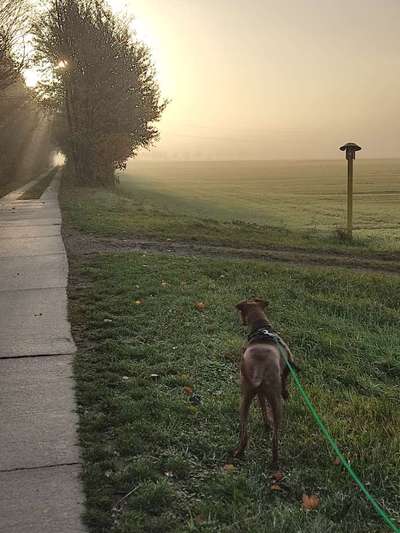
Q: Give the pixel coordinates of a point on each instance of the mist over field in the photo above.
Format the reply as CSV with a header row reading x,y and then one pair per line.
x,y
294,194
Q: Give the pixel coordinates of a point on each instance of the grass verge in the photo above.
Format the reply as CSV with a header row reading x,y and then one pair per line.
x,y
142,341
35,192
108,213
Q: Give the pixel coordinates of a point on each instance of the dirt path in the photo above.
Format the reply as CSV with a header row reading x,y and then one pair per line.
x,y
80,244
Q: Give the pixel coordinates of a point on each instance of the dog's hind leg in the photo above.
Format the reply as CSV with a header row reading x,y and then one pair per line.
x,y
245,403
266,411
276,403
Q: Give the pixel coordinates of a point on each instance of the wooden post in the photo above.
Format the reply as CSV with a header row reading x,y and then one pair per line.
x,y
350,197
350,149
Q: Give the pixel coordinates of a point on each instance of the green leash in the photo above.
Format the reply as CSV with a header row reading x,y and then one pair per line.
x,y
381,512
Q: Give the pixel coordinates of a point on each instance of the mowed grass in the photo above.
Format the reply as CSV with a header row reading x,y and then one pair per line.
x,y
299,195
110,213
142,341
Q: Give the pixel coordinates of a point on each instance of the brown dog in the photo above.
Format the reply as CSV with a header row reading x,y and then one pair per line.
x,y
263,373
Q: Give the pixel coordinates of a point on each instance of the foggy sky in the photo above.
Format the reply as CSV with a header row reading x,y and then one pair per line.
x,y
266,79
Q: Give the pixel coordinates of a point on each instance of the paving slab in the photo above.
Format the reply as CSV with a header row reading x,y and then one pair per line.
x,y
23,232
22,204
37,418
51,193
34,322
44,221
13,195
45,500
40,490
31,246
32,214
39,272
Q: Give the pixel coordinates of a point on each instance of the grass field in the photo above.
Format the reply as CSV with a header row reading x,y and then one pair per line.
x,y
156,462
142,341
302,195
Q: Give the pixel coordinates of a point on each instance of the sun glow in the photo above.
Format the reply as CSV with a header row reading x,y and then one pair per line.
x,y
32,77
143,31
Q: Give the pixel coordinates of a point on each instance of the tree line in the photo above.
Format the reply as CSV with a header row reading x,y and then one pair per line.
x,y
20,114
97,83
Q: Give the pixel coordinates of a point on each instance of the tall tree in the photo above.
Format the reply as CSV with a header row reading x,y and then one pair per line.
x,y
24,131
101,83
13,27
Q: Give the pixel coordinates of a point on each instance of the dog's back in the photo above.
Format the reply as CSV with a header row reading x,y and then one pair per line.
x,y
261,367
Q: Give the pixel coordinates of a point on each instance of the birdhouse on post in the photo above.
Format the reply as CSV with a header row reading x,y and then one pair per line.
x,y
350,149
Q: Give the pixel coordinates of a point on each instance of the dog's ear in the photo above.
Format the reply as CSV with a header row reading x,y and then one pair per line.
x,y
262,303
242,307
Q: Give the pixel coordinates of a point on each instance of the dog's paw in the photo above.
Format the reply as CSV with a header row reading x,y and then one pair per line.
x,y
238,453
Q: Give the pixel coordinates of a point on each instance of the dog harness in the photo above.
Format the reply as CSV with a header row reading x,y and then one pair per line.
x,y
263,334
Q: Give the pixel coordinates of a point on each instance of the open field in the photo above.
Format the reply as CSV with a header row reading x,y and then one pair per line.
x,y
141,433
302,195
110,214
154,461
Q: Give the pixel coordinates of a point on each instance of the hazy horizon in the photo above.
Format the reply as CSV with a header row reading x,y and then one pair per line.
x,y
288,159
273,80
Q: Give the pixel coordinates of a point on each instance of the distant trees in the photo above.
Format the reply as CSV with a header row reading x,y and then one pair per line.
x,y
101,84
24,139
13,27
25,143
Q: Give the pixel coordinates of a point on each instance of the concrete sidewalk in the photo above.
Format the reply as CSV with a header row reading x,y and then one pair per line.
x,y
40,490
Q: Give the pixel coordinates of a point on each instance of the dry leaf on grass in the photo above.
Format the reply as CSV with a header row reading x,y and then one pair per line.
x,y
229,468
188,391
276,487
139,302
200,306
277,476
310,502
200,519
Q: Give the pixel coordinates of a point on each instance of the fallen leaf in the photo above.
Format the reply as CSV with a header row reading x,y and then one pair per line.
x,y
278,475
200,306
139,302
200,519
164,284
276,487
310,502
188,391
107,320
229,468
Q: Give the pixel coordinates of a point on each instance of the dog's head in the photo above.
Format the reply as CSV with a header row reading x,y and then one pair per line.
x,y
253,306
